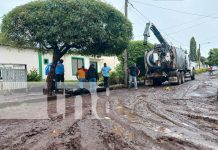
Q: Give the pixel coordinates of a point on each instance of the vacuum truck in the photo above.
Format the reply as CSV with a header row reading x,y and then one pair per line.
x,y
165,62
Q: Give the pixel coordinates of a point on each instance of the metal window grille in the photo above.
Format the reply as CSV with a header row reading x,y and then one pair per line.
x,y
13,76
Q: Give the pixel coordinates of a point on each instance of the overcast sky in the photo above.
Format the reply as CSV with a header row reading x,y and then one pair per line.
x,y
178,20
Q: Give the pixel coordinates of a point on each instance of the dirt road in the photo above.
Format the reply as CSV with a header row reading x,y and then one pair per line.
x,y
150,118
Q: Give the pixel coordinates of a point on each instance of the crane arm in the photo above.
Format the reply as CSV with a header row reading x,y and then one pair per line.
x,y
152,27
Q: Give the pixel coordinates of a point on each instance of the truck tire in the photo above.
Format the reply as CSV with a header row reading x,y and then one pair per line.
x,y
157,82
178,78
182,77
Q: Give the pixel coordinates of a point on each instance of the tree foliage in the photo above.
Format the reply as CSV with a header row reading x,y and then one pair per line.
x,y
212,59
136,52
193,47
89,27
203,60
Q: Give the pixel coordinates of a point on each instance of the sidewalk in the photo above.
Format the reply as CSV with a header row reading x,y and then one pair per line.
x,y
21,98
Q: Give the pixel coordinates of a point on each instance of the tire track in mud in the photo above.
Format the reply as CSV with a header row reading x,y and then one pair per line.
x,y
162,111
163,144
38,134
150,118
138,137
189,127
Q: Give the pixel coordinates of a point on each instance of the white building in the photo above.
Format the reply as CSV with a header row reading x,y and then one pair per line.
x,y
34,59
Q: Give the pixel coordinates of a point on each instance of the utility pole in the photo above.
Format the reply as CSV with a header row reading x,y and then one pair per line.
x,y
126,8
126,51
199,56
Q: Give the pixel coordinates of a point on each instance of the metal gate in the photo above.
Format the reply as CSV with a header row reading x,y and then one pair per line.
x,y
13,76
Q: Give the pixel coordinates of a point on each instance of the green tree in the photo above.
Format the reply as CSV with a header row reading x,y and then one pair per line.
x,y
203,60
136,52
88,27
212,59
193,47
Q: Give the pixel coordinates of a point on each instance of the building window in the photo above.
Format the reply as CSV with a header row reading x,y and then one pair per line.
x,y
46,61
77,63
95,64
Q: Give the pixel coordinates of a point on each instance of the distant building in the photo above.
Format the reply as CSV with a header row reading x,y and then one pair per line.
x,y
196,65
34,59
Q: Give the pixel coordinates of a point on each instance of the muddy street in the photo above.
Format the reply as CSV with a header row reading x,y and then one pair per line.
x,y
164,117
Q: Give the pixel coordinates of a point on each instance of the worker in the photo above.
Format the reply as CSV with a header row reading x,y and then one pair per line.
x,y
210,69
59,72
92,77
133,74
106,72
81,76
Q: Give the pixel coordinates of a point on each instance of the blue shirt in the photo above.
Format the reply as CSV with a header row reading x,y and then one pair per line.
x,y
59,68
106,71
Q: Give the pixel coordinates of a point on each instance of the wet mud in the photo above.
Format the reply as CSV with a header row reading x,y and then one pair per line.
x,y
183,117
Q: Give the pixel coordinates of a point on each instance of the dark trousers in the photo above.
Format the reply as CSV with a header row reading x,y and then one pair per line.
x,y
58,78
53,86
106,82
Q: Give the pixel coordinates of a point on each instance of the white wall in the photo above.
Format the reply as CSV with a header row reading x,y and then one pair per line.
x,y
67,64
45,56
30,58
21,56
111,61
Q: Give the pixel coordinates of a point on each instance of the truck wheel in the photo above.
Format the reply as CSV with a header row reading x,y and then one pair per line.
x,y
157,82
182,77
178,78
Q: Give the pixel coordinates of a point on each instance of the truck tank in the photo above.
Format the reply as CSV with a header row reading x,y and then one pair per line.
x,y
174,59
181,59
165,62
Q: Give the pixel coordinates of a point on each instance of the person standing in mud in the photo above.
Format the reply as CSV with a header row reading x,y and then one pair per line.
x,y
106,72
133,74
92,77
81,76
210,70
59,72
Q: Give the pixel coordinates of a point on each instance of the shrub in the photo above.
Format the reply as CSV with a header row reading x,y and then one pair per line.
x,y
201,70
115,78
33,75
136,52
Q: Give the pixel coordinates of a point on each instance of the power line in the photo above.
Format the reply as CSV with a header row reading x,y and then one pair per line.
x,y
174,26
121,9
189,27
209,39
204,16
187,22
161,31
178,11
168,35
139,12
